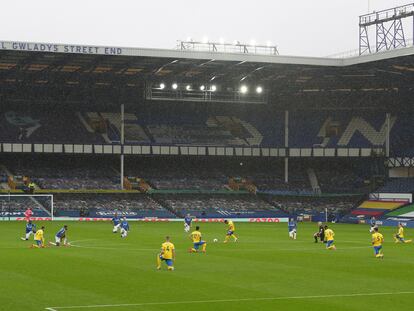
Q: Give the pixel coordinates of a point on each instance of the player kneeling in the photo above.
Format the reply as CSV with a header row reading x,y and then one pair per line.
x,y
399,237
329,235
377,240
195,237
30,229
61,237
167,254
124,228
39,238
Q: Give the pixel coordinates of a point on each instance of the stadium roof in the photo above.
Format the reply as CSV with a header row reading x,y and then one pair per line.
x,y
62,66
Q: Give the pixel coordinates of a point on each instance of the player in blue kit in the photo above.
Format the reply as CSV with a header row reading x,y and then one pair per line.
x,y
30,229
124,228
187,223
292,228
116,220
61,237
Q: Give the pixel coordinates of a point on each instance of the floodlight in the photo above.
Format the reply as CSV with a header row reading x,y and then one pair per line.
x,y
259,90
243,89
162,86
202,87
213,88
188,87
174,86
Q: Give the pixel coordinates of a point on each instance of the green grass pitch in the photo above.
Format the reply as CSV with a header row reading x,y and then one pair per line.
x,y
264,270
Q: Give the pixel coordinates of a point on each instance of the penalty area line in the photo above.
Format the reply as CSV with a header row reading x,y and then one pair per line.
x,y
226,300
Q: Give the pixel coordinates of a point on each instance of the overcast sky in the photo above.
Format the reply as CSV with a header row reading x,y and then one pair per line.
x,y
297,27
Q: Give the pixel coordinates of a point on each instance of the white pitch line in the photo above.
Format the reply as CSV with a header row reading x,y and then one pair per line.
x,y
226,300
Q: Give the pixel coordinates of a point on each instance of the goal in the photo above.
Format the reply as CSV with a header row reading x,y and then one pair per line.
x,y
13,206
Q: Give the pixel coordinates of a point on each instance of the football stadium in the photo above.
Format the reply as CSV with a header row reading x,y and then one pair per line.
x,y
213,176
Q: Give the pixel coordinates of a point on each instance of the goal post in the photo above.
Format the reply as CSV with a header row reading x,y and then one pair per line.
x,y
14,206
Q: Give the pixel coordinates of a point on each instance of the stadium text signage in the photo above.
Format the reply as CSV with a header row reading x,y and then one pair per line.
x,y
58,48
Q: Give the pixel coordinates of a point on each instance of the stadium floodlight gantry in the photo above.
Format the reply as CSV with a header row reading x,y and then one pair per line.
x,y
389,29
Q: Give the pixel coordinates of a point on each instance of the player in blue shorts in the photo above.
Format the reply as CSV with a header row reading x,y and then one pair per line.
x,y
292,228
124,228
187,223
195,237
377,240
116,220
30,229
167,255
60,237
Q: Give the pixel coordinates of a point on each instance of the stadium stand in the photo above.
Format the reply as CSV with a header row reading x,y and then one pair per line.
x,y
338,129
44,127
16,206
234,206
398,185
315,206
179,175
66,173
203,127
105,205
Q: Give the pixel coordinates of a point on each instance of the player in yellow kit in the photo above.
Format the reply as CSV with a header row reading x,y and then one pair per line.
x,y
195,236
399,237
230,231
39,238
377,240
329,237
167,254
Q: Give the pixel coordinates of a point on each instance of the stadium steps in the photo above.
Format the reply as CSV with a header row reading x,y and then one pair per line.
x,y
313,179
165,206
271,203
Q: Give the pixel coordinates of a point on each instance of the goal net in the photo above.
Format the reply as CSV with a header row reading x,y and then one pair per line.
x,y
14,206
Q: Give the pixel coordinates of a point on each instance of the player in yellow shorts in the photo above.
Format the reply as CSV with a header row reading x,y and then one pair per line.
x,y
230,231
329,237
377,240
167,254
399,237
39,238
195,237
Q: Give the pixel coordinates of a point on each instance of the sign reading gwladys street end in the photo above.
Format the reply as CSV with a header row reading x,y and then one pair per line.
x,y
60,48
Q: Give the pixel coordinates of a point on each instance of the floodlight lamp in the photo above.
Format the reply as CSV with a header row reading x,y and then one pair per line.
x,y
175,86
259,90
243,89
213,88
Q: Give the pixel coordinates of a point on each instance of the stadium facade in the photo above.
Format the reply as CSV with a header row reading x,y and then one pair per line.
x,y
271,125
